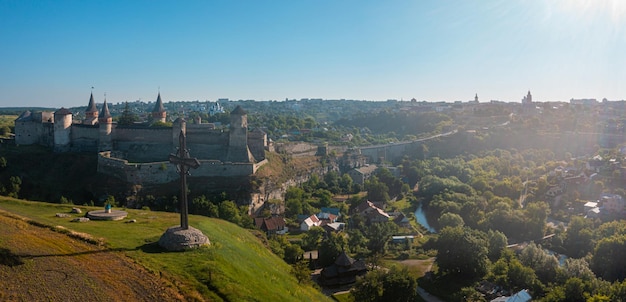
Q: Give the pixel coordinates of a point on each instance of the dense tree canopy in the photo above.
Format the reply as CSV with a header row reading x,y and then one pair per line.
x,y
378,285
461,251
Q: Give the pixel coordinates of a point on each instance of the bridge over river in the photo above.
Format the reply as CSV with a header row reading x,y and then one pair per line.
x,y
389,152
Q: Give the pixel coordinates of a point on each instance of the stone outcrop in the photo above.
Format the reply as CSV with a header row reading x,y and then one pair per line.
x,y
178,239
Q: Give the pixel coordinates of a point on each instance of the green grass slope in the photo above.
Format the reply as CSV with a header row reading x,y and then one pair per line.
x,y
236,267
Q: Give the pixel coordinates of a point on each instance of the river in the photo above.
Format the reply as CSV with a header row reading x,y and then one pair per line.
x,y
420,216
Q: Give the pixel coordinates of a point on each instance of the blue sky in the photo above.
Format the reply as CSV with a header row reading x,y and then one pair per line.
x,y
53,52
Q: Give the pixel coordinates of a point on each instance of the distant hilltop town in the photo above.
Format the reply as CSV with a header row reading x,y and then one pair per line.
x,y
138,152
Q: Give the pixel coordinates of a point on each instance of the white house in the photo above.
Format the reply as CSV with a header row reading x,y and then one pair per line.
x,y
311,221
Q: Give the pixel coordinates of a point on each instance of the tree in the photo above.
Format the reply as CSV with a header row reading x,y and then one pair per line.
x,y
394,285
578,237
461,252
301,271
470,294
15,186
330,248
332,181
497,242
202,206
520,276
324,196
578,268
537,215
357,242
544,264
311,238
5,131
276,246
228,210
574,290
293,253
608,259
450,220
393,184
345,183
110,201
376,190
127,117
378,235
64,200
245,220
293,207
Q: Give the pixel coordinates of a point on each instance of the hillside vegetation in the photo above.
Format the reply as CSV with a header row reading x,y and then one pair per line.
x,y
236,267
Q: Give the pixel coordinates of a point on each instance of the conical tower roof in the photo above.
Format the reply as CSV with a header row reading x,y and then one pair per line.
x,y
63,111
105,113
92,105
238,110
344,260
158,107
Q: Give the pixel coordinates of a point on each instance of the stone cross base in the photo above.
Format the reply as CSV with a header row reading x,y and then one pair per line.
x,y
178,239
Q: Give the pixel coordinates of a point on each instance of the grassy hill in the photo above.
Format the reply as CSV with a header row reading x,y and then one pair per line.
x,y
236,267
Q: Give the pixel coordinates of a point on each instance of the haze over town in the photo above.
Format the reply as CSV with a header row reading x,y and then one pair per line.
x,y
55,51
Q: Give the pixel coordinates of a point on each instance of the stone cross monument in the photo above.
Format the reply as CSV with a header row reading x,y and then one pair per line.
x,y
179,238
183,163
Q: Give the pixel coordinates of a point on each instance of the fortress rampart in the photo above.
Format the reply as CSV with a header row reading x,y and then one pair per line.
x,y
138,152
164,171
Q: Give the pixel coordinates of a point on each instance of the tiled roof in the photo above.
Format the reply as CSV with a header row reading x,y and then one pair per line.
x,y
158,107
268,224
25,116
344,260
62,111
105,113
92,105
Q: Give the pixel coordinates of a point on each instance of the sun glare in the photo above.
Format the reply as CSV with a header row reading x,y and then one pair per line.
x,y
613,9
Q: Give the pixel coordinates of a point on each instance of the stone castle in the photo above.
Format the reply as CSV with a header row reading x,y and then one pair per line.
x,y
138,153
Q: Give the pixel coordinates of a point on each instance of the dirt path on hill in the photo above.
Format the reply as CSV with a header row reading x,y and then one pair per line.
x,y
37,264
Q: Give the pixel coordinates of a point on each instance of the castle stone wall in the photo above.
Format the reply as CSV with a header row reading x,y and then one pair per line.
x,y
164,171
205,136
297,149
257,140
204,151
152,135
85,137
142,152
29,132
390,152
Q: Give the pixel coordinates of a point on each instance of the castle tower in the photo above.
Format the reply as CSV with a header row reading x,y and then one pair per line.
x,y
476,98
238,137
158,113
62,130
91,113
105,121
